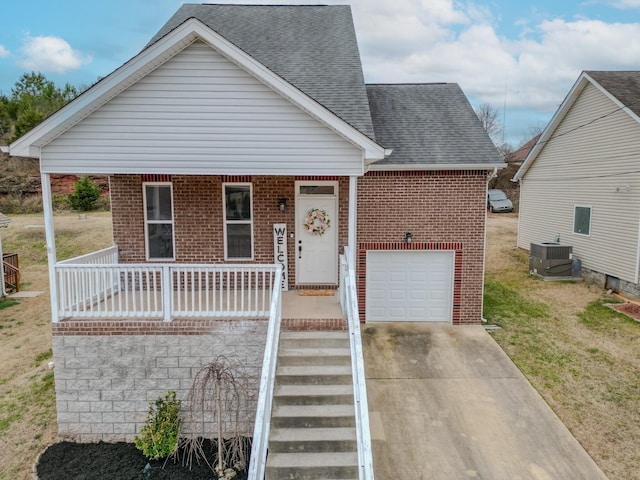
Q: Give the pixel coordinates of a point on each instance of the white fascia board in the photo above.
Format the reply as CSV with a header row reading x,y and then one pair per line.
x,y
4,148
155,55
432,167
567,103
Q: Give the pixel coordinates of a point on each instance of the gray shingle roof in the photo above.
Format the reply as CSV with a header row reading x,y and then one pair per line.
x,y
429,124
625,86
312,47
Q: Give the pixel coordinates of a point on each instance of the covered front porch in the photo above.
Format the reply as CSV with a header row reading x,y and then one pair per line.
x,y
198,246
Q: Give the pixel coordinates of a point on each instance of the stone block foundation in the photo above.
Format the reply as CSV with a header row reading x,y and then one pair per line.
x,y
107,372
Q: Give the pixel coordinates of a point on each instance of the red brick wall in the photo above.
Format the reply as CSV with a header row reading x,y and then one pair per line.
x,y
439,209
128,217
198,226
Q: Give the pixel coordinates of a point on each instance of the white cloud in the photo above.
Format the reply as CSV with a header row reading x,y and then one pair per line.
x,y
440,41
3,52
625,4
51,54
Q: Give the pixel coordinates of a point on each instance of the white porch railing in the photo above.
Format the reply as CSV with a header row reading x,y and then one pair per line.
x,y
258,462
349,301
97,286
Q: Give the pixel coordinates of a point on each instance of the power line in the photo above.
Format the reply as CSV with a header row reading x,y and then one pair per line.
x,y
588,123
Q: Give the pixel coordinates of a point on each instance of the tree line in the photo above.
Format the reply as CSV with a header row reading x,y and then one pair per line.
x,y
32,99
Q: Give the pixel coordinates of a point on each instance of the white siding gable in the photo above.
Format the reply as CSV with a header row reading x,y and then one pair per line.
x,y
199,113
591,159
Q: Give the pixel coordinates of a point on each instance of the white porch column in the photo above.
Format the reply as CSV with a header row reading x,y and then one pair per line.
x,y
47,207
353,204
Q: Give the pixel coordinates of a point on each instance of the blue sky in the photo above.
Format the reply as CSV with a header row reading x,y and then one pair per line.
x,y
513,53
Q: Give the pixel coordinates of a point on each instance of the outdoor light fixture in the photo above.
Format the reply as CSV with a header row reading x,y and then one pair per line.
x,y
408,237
282,202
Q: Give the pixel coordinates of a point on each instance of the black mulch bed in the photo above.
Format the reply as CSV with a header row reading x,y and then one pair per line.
x,y
114,461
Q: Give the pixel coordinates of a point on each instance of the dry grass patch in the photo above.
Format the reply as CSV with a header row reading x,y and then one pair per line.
x,y
27,399
582,356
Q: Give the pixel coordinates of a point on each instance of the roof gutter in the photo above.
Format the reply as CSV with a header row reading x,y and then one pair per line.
x,y
4,148
433,167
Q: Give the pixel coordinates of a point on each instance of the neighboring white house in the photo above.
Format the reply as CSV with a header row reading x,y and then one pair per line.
x,y
581,181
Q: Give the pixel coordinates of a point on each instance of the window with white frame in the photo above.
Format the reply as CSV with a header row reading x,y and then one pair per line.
x,y
582,220
238,221
158,225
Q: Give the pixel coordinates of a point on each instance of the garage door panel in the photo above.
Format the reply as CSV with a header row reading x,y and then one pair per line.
x,y
418,294
418,276
379,276
397,277
409,286
397,294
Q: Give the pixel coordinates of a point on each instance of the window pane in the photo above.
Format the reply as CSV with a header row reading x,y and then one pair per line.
x,y
317,189
160,240
238,202
239,241
582,220
158,202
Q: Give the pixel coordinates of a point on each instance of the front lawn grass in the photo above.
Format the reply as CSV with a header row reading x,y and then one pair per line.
x,y
582,356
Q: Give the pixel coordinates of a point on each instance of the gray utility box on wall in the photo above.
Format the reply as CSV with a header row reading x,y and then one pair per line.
x,y
549,259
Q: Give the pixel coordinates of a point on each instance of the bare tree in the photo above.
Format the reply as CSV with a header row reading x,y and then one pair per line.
x,y
490,118
217,399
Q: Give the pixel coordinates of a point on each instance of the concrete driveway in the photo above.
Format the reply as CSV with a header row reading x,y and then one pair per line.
x,y
447,403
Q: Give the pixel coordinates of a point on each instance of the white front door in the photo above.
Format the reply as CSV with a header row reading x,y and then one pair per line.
x,y
316,233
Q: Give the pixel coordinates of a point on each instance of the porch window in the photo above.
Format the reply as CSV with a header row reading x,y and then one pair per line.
x,y
238,221
582,220
158,207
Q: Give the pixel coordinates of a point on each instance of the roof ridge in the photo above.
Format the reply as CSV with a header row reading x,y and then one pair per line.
x,y
407,83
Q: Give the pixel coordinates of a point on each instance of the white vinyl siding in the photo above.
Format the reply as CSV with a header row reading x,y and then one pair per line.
x,y
592,163
199,113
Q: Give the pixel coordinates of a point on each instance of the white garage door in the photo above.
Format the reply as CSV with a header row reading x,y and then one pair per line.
x,y
409,286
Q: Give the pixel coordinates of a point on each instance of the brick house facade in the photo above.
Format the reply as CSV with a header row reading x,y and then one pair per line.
x,y
211,104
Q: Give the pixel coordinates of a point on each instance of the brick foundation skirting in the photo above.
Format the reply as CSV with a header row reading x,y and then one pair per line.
x,y
181,326
142,327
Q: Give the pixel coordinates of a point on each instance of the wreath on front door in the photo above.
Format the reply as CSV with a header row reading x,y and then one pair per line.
x,y
317,221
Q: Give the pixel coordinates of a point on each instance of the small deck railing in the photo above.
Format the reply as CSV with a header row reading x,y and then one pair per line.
x,y
97,286
11,269
349,301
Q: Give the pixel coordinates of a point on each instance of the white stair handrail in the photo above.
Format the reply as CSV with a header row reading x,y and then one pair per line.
x,y
363,433
258,463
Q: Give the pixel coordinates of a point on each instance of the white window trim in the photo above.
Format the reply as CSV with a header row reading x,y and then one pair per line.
x,y
225,222
307,183
147,222
573,227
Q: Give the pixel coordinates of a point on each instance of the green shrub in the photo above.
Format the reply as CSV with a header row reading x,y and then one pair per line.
x,y
85,196
159,436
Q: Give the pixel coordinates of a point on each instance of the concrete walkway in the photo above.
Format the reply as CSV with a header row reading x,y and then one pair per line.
x,y
447,403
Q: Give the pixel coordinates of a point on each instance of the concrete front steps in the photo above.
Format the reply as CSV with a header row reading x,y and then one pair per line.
x,y
313,433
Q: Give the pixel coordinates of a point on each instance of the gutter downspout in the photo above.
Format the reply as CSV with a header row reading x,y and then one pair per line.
x,y
490,176
353,203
